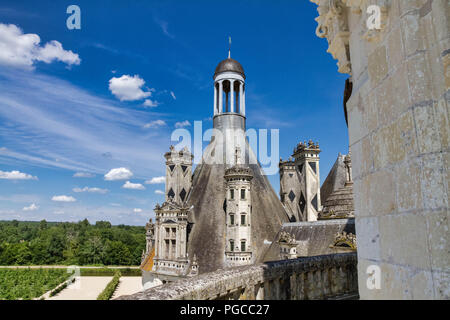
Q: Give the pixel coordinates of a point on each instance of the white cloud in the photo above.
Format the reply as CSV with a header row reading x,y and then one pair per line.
x,y
128,88
23,50
63,198
173,95
83,175
137,210
31,207
156,180
118,174
155,124
150,103
134,186
16,175
159,192
182,124
78,135
91,190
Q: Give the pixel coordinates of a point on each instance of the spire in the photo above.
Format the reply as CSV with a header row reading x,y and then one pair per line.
x,y
229,47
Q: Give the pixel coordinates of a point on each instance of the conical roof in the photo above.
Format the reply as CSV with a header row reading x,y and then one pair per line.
x,y
207,196
339,204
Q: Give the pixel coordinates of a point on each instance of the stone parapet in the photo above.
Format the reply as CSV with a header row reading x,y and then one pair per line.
x,y
319,277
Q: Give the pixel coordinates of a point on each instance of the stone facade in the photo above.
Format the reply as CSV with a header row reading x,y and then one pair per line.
x,y
171,230
398,117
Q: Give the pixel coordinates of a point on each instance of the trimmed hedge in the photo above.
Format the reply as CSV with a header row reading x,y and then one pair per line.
x,y
61,287
107,293
97,272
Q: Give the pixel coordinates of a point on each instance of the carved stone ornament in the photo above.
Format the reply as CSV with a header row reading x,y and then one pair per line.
x,y
333,25
345,239
286,237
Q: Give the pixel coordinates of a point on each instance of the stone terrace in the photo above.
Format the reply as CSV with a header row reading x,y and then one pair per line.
x,y
320,277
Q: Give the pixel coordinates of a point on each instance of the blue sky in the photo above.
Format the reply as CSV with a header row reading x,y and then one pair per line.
x,y
108,96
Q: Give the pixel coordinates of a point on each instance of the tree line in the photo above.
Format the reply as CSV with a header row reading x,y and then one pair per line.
x,y
69,243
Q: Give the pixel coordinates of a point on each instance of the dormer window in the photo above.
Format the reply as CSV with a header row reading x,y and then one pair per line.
x,y
243,245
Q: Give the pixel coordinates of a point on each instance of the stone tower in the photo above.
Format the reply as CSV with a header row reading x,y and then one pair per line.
x,y
208,238
307,164
238,216
300,183
203,225
289,189
178,174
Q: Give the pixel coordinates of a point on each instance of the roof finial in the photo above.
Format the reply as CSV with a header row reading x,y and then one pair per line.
x,y
229,47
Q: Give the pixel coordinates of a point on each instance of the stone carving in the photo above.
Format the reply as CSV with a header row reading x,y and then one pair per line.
x,y
333,25
193,270
286,237
345,239
238,171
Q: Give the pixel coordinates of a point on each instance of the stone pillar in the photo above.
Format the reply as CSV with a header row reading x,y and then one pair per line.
x,y
220,96
215,99
232,95
243,100
241,92
300,286
398,120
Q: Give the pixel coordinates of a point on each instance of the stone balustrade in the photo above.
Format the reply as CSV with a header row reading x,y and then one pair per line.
x,y
320,277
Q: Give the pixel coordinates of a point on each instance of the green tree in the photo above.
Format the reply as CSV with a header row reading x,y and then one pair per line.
x,y
117,253
23,254
43,225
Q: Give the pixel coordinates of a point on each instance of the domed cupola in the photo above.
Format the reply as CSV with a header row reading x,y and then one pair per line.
x,y
229,88
229,65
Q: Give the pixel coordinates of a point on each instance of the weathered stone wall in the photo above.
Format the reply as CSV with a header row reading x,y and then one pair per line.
x,y
399,133
321,277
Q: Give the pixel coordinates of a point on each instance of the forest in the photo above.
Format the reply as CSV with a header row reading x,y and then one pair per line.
x,y
70,243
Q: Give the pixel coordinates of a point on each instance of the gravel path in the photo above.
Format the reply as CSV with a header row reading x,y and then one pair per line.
x,y
128,285
84,288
